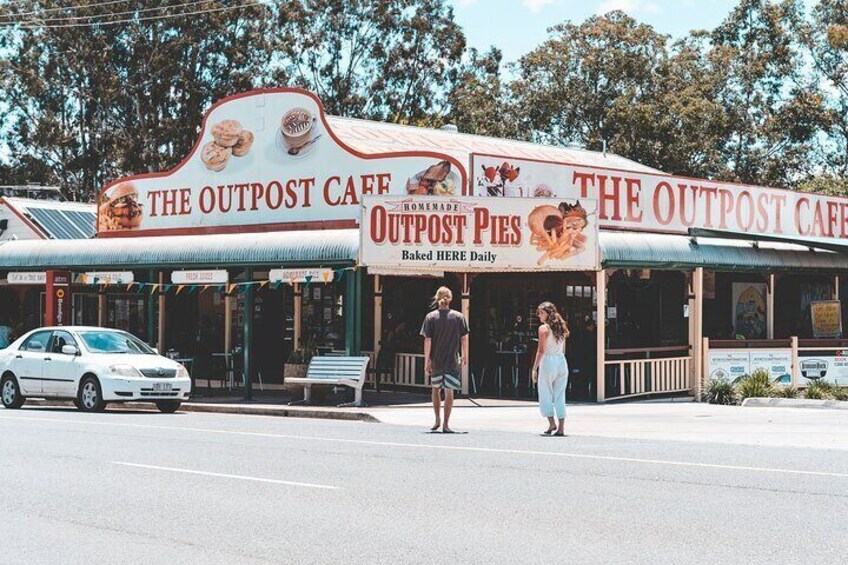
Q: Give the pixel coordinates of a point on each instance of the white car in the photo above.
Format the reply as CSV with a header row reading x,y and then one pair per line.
x,y
91,366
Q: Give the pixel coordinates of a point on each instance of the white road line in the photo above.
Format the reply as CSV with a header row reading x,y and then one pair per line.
x,y
666,462
224,475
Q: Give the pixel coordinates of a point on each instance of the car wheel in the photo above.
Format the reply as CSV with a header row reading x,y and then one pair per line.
x,y
168,406
77,403
10,393
90,397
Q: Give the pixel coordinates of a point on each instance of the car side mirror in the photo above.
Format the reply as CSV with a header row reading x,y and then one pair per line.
x,y
70,350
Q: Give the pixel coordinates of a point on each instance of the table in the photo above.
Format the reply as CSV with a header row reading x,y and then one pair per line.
x,y
228,367
517,353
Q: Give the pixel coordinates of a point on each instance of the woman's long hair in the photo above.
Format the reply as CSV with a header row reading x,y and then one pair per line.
x,y
555,321
443,298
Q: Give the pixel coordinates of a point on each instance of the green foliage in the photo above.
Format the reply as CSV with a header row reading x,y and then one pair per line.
x,y
720,391
839,393
756,385
302,355
785,392
819,389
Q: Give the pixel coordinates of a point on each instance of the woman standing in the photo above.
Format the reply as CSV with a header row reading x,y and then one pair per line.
x,y
550,369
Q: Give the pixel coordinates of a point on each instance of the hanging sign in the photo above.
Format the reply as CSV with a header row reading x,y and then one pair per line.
x,y
826,318
265,160
663,203
26,278
302,275
107,277
468,234
200,277
58,305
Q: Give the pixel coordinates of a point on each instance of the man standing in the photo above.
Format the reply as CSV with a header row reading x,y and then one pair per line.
x,y
445,334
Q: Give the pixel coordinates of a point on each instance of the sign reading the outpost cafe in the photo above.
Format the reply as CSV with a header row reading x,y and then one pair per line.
x,y
662,203
268,160
467,234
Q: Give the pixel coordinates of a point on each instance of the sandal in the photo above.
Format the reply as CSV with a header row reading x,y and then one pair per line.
x,y
549,431
436,427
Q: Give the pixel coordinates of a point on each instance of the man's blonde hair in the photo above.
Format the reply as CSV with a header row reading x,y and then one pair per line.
x,y
443,298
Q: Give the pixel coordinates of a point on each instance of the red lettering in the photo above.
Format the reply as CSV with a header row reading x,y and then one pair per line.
x,y
801,202
585,179
634,190
745,222
726,200
661,188
207,199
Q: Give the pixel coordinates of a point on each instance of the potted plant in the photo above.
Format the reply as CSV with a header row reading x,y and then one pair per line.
x,y
298,362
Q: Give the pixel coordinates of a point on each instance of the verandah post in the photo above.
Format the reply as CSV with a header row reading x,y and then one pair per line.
x,y
600,313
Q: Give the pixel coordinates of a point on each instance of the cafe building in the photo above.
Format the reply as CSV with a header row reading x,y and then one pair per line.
x,y
287,233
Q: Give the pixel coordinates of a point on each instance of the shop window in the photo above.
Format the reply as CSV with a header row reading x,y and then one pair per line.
x,y
322,316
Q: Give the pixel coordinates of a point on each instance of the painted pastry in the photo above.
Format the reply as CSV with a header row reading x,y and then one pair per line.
x,y
215,157
245,141
227,132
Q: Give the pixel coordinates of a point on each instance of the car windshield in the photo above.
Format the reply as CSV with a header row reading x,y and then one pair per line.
x,y
114,342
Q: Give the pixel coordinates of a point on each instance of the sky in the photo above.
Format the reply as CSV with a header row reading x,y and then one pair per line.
x,y
517,26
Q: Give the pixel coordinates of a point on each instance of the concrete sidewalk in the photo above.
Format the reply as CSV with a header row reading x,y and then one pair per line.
x,y
674,420
656,420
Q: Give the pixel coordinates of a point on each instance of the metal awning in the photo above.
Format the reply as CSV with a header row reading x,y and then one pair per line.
x,y
620,249
835,245
292,248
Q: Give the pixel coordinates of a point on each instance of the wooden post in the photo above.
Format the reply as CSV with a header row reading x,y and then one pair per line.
x,y
101,309
247,328
696,313
466,310
298,304
228,319
151,310
601,314
378,323
796,369
160,342
836,287
705,354
770,306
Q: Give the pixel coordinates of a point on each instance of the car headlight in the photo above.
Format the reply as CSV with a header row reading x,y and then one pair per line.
x,y
125,371
182,373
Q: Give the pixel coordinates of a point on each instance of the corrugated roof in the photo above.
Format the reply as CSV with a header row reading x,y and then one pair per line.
x,y
380,137
621,249
56,219
270,248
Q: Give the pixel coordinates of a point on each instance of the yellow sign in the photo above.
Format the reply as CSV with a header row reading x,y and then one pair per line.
x,y
827,318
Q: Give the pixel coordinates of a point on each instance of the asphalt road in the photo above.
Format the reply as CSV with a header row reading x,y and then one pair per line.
x,y
203,488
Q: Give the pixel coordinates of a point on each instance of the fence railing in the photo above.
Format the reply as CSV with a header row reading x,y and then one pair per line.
x,y
409,370
645,371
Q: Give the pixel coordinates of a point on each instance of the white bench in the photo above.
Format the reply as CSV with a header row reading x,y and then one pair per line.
x,y
327,370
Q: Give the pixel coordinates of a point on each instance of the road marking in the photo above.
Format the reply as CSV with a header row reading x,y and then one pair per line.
x,y
667,462
224,475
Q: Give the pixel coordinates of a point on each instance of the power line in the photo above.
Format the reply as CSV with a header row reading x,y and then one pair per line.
x,y
33,25
104,16
63,8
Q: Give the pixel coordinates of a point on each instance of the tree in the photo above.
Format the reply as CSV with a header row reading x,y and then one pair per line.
x,y
391,60
479,102
774,112
99,100
825,35
595,82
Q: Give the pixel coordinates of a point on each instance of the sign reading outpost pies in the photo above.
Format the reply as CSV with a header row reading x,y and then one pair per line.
x,y
467,234
664,203
264,160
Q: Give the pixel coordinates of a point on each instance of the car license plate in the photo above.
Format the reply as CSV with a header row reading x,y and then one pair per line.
x,y
161,387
